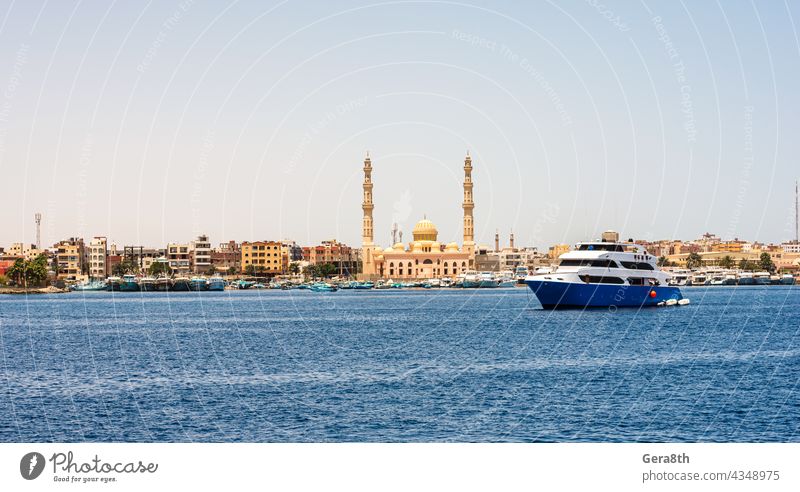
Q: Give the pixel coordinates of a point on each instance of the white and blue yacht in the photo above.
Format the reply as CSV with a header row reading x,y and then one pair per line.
x,y
604,274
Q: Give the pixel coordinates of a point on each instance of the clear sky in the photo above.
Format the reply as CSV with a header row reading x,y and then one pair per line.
x,y
152,122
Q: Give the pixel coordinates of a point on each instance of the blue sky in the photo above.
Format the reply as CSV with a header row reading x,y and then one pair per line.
x,y
154,122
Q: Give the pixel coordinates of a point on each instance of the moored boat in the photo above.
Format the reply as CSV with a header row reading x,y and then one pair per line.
x,y
198,283
94,285
147,284
129,283
113,284
216,283
323,287
163,284
787,279
470,280
180,284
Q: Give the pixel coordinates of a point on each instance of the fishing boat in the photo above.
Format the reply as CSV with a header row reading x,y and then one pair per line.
x,y
364,285
198,284
129,283
604,274
787,279
323,287
746,278
506,279
761,278
94,285
147,284
470,280
216,283
163,284
487,280
520,273
113,284
243,284
181,284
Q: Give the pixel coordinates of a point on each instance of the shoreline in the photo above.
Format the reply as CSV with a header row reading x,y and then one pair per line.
x,y
34,290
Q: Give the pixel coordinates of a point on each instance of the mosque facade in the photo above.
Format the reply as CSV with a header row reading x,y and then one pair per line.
x,y
424,257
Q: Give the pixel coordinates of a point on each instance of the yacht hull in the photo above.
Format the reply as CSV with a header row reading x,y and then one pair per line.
x,y
558,295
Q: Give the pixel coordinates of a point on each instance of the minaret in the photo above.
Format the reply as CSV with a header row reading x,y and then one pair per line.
x,y
496,241
469,205
511,239
367,245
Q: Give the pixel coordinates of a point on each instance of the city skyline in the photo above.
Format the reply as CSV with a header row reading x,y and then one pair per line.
x,y
151,125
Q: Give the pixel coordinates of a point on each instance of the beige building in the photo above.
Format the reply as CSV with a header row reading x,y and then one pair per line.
x,y
200,250
557,250
22,250
71,259
267,257
179,258
98,257
424,257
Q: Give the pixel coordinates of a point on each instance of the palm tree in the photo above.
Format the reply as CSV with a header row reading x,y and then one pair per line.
x,y
693,261
726,262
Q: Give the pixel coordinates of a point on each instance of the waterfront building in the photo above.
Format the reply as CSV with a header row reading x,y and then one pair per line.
x,y
791,247
292,250
226,256
141,256
610,236
557,250
98,254
265,256
200,254
340,255
424,257
179,258
22,250
71,259
735,246
487,260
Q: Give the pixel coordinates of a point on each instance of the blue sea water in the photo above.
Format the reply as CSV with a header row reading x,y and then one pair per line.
x,y
398,365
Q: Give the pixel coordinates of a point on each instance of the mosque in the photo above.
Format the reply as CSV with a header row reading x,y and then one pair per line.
x,y
425,256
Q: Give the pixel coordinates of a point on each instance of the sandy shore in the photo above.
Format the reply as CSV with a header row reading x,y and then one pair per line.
x,y
33,290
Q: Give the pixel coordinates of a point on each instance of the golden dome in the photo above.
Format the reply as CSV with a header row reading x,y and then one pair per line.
x,y
425,231
399,247
451,247
388,250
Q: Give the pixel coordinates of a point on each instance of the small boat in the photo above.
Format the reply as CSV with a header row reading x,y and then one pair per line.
x,y
95,285
259,285
129,284
787,279
520,273
216,283
181,284
683,302
243,284
730,279
113,284
198,284
323,287
364,285
163,284
147,284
